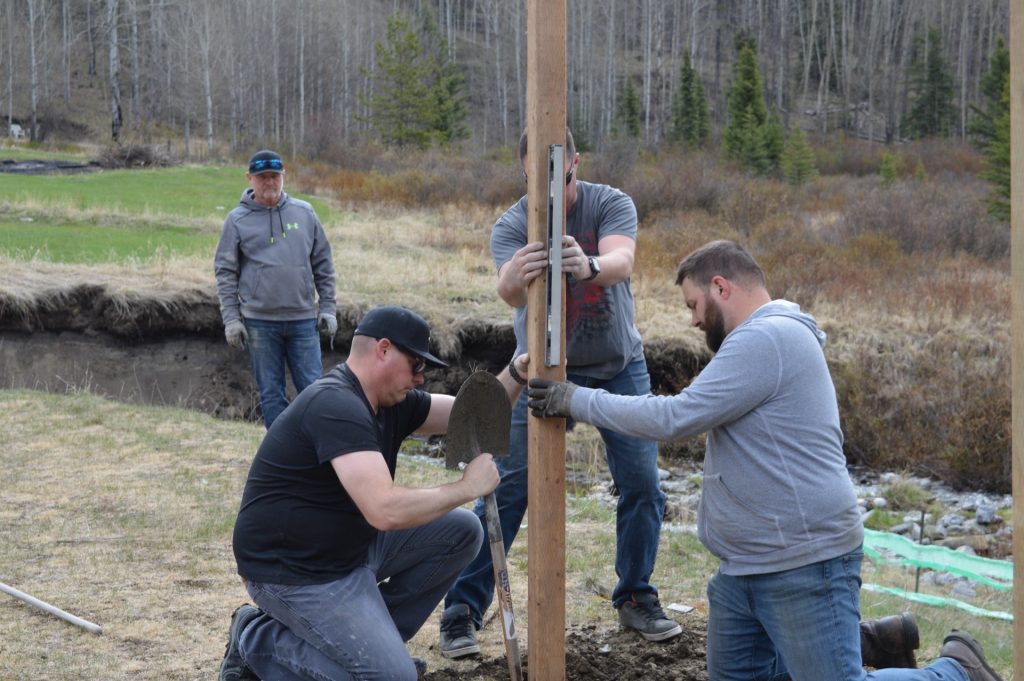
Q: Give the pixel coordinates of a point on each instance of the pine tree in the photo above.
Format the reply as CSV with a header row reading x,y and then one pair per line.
x,y
997,161
982,124
750,137
449,83
419,100
797,162
627,113
890,168
774,140
932,112
690,119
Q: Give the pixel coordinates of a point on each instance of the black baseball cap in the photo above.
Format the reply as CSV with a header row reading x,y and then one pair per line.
x,y
265,161
401,326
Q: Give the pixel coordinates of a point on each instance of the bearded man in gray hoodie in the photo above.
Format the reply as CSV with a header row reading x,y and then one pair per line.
x,y
777,506
275,281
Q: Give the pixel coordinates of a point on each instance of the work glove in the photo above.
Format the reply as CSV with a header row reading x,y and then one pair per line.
x,y
327,324
549,398
236,335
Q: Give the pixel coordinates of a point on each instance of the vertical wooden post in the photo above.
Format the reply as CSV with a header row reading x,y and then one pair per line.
x,y
1017,318
545,125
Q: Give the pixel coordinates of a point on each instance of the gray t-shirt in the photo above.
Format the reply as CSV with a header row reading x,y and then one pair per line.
x,y
601,337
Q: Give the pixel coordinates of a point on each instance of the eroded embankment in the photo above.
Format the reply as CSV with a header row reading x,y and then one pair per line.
x,y
173,352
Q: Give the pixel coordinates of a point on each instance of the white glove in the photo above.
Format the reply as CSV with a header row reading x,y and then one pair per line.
x,y
236,335
327,324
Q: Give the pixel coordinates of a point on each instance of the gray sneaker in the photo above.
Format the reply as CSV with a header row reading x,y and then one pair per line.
x,y
643,613
458,632
233,667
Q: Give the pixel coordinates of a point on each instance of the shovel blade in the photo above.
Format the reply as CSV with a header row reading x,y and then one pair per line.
x,y
480,420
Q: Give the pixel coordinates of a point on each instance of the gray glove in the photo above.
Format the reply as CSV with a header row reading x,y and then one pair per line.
x,y
327,324
550,398
236,335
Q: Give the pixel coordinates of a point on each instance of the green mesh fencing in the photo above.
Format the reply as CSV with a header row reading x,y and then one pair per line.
x,y
997,574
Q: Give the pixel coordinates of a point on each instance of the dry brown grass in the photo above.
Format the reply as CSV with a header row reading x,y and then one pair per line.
x,y
122,515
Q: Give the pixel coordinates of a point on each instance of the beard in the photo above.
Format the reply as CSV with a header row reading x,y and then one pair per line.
x,y
714,326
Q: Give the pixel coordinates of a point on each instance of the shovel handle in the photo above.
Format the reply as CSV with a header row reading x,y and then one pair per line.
x,y
503,588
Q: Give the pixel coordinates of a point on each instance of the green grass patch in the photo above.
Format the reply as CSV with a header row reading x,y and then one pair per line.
x,y
119,215
85,242
28,152
184,191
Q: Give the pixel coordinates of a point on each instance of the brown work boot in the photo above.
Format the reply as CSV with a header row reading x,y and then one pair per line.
x,y
961,646
889,642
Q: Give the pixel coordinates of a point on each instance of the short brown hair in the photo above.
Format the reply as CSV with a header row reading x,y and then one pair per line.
x,y
570,146
720,258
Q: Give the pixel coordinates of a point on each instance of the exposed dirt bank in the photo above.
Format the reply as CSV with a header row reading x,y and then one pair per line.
x,y
173,353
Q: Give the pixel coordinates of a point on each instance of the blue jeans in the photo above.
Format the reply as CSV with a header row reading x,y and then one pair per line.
x,y
356,626
272,344
800,624
633,464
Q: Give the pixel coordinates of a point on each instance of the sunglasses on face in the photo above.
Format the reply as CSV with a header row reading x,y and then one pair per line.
x,y
266,164
417,364
568,176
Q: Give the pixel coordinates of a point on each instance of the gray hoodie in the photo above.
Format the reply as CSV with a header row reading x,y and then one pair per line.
x,y
776,493
272,263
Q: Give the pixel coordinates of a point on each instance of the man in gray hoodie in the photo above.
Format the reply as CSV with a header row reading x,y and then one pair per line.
x,y
777,507
275,281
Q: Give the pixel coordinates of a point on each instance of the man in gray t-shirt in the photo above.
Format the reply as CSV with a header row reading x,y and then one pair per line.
x,y
603,350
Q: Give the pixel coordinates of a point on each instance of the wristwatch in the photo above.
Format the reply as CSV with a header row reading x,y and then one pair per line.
x,y
595,268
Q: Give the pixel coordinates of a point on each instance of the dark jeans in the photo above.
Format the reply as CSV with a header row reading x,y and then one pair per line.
x,y
272,345
633,464
356,626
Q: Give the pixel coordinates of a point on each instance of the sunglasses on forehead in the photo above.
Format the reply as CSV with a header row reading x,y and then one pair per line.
x,y
266,164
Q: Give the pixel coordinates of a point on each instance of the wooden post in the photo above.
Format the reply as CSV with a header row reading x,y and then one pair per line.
x,y
1017,318
545,125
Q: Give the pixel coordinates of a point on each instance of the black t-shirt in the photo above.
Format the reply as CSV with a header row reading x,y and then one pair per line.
x,y
297,524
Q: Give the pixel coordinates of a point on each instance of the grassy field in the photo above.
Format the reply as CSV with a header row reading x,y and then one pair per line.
x,y
122,515
120,215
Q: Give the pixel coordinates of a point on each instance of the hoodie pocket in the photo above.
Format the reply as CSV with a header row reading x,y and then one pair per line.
x,y
733,526
280,287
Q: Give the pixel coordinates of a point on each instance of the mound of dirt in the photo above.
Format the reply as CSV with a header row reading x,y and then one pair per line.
x,y
604,654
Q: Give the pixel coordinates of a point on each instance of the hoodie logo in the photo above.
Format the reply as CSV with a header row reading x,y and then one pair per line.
x,y
292,225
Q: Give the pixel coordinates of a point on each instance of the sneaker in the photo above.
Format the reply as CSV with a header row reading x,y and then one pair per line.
x,y
961,646
233,667
458,632
643,612
889,642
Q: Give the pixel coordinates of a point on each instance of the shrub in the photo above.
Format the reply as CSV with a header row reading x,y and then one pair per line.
x,y
946,218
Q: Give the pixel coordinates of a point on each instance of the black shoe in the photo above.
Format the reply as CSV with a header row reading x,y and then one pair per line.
x,y
233,667
643,613
889,642
962,647
458,632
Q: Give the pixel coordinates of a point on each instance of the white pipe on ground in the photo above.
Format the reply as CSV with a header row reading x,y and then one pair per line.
x,y
42,605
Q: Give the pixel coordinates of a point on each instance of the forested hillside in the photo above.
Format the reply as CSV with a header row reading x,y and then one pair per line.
x,y
221,75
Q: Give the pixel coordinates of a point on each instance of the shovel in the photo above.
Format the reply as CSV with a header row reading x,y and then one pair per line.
x,y
480,422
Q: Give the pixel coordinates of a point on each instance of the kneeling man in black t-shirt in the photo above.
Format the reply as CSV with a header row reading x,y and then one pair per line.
x,y
343,564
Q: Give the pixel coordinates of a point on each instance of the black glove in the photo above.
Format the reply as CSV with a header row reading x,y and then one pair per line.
x,y
550,398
